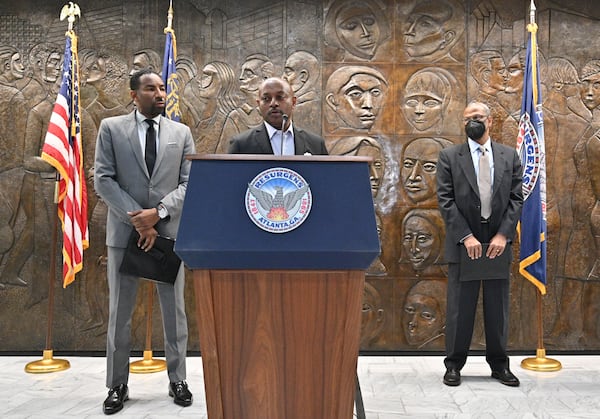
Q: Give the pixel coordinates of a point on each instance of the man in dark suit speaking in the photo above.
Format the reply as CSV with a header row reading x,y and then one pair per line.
x,y
480,198
277,134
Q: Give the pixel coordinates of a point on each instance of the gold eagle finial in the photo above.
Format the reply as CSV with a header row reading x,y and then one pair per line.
x,y
69,11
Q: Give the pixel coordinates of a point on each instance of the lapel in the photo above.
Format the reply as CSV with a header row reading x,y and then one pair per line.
x,y
131,132
499,160
466,162
299,142
261,138
164,134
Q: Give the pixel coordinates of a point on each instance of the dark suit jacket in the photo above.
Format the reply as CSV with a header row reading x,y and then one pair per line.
x,y
256,141
458,195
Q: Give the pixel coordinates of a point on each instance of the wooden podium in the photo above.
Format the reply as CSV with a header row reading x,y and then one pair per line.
x,y
278,312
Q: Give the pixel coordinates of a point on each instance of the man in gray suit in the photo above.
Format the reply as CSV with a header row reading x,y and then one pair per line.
x,y
470,221
144,186
277,135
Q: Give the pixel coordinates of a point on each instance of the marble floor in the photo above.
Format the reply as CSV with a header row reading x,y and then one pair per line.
x,y
393,387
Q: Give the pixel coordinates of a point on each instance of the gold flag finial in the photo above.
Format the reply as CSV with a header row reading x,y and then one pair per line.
x,y
169,17
69,11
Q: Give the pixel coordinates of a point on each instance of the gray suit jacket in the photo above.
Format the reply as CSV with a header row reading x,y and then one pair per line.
x,y
256,141
123,182
458,195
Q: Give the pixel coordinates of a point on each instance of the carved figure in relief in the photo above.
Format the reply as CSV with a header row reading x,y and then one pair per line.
x,y
432,29
357,28
187,73
419,168
43,62
13,114
146,58
215,98
302,71
373,316
422,236
590,95
354,97
424,314
489,71
256,69
36,194
429,101
13,109
107,76
572,179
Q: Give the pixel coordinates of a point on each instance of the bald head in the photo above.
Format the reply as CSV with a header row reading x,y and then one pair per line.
x,y
276,101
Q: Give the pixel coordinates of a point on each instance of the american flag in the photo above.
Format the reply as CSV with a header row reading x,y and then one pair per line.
x,y
63,150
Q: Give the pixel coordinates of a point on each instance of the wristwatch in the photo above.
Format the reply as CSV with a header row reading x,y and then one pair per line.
x,y
162,211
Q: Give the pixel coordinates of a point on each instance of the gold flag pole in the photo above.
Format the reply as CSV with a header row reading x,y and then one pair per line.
x,y
48,363
540,362
150,364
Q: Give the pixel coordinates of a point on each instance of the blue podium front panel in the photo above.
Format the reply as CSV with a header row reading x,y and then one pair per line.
x,y
330,225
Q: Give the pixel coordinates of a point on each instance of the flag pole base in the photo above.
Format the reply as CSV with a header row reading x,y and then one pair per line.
x,y
148,364
47,364
541,363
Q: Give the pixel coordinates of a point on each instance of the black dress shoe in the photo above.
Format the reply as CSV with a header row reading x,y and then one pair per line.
x,y
506,377
116,397
452,377
180,393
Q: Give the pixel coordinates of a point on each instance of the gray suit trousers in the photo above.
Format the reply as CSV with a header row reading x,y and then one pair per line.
x,y
122,293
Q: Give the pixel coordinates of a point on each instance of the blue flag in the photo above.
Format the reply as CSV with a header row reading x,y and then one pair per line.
x,y
531,149
169,75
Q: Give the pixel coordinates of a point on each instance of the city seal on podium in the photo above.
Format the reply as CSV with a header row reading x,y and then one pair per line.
x,y
278,200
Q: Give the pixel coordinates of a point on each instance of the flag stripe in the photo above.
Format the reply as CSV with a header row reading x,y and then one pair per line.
x,y
63,150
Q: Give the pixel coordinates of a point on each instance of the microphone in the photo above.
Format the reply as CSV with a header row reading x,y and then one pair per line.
x,y
284,119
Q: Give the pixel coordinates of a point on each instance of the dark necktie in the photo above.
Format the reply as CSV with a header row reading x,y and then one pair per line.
x,y
485,183
150,154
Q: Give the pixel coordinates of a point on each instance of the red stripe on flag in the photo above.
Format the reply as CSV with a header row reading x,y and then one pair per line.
x,y
62,149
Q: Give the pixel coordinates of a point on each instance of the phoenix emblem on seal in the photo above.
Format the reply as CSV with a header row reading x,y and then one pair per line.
x,y
278,200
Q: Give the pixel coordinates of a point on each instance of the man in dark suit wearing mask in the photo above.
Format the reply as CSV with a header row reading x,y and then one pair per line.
x,y
473,220
276,102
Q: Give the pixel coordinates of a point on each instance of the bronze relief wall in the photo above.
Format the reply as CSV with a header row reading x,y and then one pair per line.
x,y
384,78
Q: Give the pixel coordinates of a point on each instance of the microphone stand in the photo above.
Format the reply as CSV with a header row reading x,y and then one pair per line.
x,y
284,119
